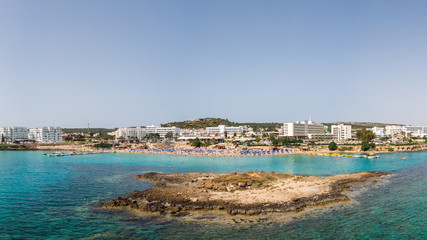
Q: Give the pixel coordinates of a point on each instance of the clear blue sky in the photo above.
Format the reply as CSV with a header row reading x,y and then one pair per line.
x,y
128,63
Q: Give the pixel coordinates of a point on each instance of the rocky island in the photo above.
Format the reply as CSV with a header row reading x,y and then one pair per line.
x,y
238,193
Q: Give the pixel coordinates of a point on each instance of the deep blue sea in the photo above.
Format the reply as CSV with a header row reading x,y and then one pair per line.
x,y
58,197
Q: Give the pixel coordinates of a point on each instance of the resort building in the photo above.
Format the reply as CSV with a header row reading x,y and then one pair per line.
x,y
416,131
162,131
379,131
303,129
224,129
131,133
394,130
45,134
341,132
11,134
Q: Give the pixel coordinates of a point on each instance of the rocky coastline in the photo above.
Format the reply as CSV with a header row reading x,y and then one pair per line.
x,y
238,193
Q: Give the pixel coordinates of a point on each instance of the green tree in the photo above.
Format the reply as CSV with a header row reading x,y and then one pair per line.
x,y
365,146
274,141
102,145
365,135
196,142
169,135
286,142
153,136
333,146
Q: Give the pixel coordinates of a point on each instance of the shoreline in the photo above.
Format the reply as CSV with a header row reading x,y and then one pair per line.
x,y
196,152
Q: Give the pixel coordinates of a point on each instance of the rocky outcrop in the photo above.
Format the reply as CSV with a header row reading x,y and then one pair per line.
x,y
243,193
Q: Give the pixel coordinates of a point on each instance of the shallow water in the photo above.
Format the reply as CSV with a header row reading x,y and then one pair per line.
x,y
42,197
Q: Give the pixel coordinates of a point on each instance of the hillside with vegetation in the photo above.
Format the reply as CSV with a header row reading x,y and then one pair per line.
x,y
91,130
361,125
213,122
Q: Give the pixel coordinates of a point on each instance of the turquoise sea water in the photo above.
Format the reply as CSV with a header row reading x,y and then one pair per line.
x,y
44,198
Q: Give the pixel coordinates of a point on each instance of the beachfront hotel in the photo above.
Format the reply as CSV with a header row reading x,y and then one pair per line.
x,y
45,134
416,131
341,132
141,132
393,130
11,134
162,131
224,129
304,129
40,135
379,131
131,132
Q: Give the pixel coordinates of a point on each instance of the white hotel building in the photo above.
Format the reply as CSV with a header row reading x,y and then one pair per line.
x,y
162,131
128,133
40,135
379,131
224,129
141,132
416,131
45,134
341,132
392,130
304,129
11,134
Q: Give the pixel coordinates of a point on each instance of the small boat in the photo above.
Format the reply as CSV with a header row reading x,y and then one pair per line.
x,y
403,158
44,153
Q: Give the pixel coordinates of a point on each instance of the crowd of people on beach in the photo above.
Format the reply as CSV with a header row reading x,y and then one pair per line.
x,y
209,151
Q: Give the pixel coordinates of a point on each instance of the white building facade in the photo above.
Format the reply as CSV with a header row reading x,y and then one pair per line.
x,y
302,129
224,129
45,134
11,134
131,133
379,131
394,130
341,132
416,131
162,131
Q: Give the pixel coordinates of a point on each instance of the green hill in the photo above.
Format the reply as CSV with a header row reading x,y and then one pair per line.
x,y
92,130
213,122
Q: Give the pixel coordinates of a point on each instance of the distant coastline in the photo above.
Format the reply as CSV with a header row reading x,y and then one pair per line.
x,y
228,152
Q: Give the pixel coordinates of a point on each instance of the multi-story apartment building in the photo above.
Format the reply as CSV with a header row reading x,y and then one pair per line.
x,y
341,132
224,129
416,131
392,130
303,129
45,134
379,131
162,131
11,134
129,133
